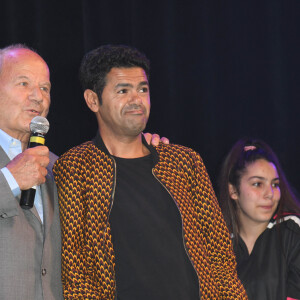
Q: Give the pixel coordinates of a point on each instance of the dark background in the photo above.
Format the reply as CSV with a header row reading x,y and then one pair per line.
x,y
220,70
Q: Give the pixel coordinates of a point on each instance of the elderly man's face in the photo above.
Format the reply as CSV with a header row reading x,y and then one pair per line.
x,y
24,91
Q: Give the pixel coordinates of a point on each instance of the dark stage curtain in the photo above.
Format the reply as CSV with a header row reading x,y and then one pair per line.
x,y
220,70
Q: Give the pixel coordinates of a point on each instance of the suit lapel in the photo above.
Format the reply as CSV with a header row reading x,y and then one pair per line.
x,y
34,211
4,159
47,198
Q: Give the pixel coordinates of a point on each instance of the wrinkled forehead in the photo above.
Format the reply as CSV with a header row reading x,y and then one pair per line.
x,y
22,58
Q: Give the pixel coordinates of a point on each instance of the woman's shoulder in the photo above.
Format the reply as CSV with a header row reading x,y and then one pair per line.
x,y
290,222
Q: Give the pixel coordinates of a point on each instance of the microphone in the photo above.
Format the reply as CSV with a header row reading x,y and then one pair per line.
x,y
39,126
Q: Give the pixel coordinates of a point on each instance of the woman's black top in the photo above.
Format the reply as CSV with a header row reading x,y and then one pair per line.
x,y
272,270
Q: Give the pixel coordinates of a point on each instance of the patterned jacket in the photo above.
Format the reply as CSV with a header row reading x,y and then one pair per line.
x,y
85,177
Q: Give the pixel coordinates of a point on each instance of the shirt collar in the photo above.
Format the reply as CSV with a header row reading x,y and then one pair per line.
x,y
98,142
7,143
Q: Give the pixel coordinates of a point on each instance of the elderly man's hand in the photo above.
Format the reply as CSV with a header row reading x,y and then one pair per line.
x,y
154,139
29,167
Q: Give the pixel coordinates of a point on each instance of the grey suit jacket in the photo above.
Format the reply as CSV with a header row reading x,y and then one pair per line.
x,y
30,252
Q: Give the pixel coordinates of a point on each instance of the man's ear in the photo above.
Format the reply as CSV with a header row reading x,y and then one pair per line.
x,y
232,192
91,100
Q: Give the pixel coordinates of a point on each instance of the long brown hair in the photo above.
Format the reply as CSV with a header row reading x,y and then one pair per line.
x,y
243,153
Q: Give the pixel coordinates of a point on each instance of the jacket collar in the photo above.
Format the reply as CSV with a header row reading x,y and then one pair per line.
x,y
98,142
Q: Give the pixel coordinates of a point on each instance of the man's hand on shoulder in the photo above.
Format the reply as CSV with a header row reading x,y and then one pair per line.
x,y
29,167
154,139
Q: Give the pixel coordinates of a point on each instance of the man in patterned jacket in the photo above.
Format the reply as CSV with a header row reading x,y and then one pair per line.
x,y
138,222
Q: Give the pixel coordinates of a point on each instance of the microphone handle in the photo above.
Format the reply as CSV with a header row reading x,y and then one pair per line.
x,y
27,196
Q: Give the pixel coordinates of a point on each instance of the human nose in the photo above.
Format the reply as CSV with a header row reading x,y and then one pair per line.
x,y
136,98
36,94
269,193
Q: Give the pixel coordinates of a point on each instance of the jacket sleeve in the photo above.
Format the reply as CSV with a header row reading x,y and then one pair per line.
x,y
215,234
78,275
8,203
293,276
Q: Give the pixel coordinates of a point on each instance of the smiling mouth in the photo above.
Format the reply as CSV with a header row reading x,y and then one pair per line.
x,y
267,207
34,111
134,112
134,109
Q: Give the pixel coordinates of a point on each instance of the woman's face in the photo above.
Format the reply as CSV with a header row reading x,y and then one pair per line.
x,y
258,195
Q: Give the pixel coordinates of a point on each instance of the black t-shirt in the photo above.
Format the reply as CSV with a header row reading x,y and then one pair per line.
x,y
272,270
151,260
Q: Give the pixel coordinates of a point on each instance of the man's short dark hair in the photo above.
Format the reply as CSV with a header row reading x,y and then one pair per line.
x,y
97,63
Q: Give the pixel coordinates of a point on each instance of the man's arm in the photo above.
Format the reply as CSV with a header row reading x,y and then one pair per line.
x,y
27,169
8,203
216,235
78,275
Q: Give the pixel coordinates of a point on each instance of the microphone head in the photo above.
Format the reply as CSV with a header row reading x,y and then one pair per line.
x,y
39,125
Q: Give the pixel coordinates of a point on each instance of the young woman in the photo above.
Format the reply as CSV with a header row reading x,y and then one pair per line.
x,y
264,218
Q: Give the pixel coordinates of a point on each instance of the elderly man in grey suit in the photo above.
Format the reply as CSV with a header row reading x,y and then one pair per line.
x,y
30,240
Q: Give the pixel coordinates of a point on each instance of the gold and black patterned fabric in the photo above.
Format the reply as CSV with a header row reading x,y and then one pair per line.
x,y
85,177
